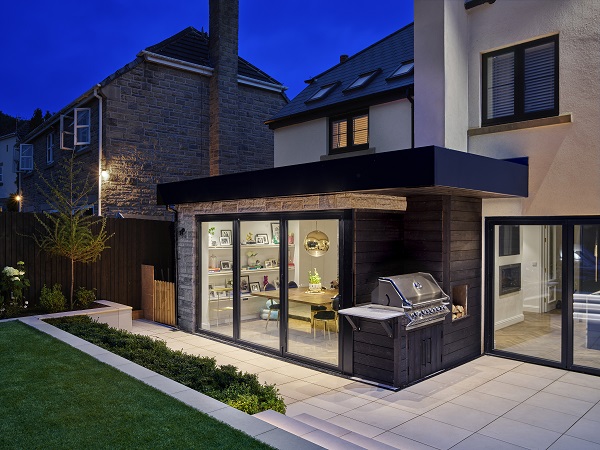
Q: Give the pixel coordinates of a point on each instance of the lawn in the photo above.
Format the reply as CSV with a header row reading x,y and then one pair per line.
x,y
54,396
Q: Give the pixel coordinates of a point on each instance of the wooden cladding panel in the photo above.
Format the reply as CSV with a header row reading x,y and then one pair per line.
x,y
116,276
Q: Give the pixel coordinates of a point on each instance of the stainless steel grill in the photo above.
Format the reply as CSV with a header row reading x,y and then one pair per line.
x,y
415,298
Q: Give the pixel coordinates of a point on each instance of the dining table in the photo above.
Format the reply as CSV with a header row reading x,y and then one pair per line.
x,y
302,295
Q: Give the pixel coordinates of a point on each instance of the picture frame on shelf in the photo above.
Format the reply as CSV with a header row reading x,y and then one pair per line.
x,y
275,232
211,291
274,263
268,264
224,241
245,284
225,265
255,286
262,239
226,233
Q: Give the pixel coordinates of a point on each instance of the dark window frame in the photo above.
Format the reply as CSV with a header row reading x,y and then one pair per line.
x,y
519,83
350,147
369,76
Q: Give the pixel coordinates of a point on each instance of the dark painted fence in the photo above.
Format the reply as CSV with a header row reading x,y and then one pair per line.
x,y
116,276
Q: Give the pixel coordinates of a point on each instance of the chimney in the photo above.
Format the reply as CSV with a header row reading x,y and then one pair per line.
x,y
223,87
343,58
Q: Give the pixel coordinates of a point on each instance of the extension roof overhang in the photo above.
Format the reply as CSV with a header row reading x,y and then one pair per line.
x,y
384,56
425,170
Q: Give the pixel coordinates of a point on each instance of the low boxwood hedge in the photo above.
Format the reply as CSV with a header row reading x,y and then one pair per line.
x,y
224,383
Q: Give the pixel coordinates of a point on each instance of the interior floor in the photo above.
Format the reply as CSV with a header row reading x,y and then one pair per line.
x,y
540,336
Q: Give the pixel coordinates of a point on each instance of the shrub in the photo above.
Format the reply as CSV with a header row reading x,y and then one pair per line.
x,y
53,300
225,383
84,297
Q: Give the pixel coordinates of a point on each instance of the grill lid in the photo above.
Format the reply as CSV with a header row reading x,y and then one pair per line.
x,y
407,290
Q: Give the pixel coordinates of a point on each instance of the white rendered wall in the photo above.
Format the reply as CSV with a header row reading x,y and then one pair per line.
x,y
301,143
441,43
564,160
389,126
6,158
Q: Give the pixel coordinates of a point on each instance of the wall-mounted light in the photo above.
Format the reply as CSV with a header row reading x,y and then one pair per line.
x,y
18,198
105,175
182,231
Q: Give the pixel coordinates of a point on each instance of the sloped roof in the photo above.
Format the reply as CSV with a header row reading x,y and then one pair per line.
x,y
385,55
191,45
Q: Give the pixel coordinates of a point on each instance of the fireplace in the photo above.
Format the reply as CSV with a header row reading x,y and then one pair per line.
x,y
510,278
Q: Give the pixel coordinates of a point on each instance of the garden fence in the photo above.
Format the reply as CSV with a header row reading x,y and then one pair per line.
x,y
116,276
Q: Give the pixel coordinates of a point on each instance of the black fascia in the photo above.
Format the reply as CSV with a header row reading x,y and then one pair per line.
x,y
473,3
423,167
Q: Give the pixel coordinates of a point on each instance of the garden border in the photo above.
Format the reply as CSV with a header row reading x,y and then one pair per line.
x,y
239,420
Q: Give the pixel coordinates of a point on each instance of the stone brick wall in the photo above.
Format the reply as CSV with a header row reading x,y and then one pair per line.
x,y
31,184
187,242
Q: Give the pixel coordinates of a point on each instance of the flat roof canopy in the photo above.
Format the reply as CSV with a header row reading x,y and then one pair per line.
x,y
425,170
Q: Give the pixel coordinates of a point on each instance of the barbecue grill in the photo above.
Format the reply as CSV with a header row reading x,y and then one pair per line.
x,y
410,309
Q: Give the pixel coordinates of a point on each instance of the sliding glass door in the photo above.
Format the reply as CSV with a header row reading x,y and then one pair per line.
x,y
543,290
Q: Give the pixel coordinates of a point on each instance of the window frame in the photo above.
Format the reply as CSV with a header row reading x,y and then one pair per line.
x,y
29,158
350,146
519,113
50,149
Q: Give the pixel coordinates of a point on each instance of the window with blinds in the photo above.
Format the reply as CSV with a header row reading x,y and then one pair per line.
x,y
349,133
521,82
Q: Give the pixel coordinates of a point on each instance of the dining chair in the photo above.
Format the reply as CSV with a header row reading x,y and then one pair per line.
x,y
326,316
272,305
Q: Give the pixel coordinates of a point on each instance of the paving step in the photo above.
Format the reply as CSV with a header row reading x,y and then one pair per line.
x,y
342,433
306,431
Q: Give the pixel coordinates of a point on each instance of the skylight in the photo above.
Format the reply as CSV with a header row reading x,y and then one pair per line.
x,y
362,80
404,69
322,93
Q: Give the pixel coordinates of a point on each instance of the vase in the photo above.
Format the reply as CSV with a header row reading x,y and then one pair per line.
x,y
213,262
314,287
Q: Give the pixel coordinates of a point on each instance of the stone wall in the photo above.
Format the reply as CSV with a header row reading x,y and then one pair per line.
x,y
187,241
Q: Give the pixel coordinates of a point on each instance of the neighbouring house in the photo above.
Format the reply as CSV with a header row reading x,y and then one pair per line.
x,y
8,176
463,145
184,108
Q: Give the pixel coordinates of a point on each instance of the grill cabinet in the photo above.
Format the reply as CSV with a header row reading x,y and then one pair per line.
x,y
398,337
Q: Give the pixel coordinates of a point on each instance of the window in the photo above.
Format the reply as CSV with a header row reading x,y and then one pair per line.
x,y
362,80
521,82
50,149
404,69
323,92
26,158
349,133
82,126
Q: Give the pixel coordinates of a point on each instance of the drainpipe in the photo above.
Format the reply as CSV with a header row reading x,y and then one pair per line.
x,y
100,132
170,208
410,98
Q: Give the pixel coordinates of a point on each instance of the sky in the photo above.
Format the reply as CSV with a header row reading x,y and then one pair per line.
x,y
52,52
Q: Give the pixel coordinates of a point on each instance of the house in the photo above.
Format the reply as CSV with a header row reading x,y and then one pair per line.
x,y
8,177
177,111
462,145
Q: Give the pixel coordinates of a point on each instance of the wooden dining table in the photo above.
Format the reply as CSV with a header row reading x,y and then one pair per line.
x,y
301,295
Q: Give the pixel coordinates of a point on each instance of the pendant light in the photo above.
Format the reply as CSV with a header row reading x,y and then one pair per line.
x,y
316,243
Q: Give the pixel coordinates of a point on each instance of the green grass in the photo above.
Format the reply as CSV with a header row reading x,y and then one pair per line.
x,y
54,396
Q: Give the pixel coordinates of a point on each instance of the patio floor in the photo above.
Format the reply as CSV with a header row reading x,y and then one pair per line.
x,y
487,403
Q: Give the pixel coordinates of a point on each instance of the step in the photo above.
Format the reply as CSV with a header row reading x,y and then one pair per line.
x,y
305,431
347,435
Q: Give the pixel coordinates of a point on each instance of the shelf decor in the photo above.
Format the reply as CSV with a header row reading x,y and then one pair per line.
x,y
314,281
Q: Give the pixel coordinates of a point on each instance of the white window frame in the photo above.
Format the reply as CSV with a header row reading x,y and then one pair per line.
x,y
50,148
26,158
80,125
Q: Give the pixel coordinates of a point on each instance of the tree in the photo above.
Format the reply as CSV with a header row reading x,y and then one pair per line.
x,y
69,231
37,119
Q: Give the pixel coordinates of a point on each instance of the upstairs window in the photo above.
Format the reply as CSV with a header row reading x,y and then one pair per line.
x,y
26,158
50,149
349,133
362,80
404,69
82,126
521,82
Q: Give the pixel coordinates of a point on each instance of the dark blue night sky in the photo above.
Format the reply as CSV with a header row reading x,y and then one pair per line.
x,y
52,52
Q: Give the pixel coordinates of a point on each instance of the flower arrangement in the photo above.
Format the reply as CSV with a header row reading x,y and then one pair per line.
x,y
314,278
12,285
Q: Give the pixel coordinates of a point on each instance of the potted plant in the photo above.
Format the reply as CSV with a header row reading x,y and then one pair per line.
x,y
314,281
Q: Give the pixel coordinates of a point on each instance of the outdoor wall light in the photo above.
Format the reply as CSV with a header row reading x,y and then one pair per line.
x,y
316,243
18,198
105,175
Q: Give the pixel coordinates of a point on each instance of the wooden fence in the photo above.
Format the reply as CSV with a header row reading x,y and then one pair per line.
x,y
116,276
164,302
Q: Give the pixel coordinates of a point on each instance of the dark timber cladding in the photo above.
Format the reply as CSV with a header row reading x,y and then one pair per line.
x,y
378,249
443,236
116,276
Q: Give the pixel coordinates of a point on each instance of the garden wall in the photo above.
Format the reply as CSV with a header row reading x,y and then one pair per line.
x,y
116,276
